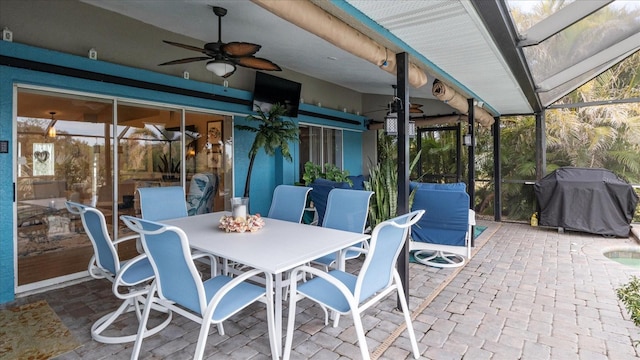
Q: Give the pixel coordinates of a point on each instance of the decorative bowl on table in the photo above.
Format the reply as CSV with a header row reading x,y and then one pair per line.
x,y
251,223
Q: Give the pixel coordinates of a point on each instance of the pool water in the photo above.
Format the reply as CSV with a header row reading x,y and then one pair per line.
x,y
629,257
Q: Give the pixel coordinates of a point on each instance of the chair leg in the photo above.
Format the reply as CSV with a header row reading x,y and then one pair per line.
x,y
440,259
129,305
362,340
143,326
202,339
407,317
336,319
105,321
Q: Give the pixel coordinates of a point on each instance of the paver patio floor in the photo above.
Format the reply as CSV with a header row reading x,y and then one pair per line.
x,y
527,293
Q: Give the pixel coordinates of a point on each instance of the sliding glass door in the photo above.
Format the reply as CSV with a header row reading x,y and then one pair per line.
x,y
59,144
98,151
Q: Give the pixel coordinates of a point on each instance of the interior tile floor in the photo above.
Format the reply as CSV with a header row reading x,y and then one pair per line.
x,y
527,293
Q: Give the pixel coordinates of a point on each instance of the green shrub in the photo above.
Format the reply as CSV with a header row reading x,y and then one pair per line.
x,y
629,294
331,172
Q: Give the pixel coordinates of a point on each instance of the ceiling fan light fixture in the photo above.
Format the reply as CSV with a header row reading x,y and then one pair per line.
x,y
224,57
221,67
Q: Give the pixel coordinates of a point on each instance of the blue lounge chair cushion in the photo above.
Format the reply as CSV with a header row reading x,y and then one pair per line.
x,y
446,220
358,182
320,194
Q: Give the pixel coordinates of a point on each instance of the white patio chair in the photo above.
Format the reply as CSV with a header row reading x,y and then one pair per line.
x,y
288,202
346,293
162,203
180,288
346,210
135,275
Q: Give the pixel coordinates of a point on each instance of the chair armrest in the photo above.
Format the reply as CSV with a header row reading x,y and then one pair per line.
x,y
117,281
472,217
359,249
220,294
213,260
94,271
326,276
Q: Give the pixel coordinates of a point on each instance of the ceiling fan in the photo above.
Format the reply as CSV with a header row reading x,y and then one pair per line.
x,y
223,57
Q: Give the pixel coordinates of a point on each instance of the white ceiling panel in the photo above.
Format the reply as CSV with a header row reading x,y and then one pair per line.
x,y
450,35
446,38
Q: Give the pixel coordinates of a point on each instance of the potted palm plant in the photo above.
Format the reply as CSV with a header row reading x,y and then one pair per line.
x,y
272,132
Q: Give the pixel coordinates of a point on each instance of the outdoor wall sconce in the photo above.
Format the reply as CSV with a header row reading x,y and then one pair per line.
x,y
391,125
467,140
7,35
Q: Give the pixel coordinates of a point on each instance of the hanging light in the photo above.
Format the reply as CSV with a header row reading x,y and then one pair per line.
x,y
221,67
391,120
391,125
51,130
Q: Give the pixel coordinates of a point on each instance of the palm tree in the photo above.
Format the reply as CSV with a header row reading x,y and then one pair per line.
x,y
272,132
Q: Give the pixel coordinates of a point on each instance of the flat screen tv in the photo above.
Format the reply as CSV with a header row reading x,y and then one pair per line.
x,y
271,89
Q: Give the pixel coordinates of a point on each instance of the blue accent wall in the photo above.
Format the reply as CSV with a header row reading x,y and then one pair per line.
x,y
267,172
352,152
6,190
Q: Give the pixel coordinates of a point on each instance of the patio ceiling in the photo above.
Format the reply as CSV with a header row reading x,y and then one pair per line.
x,y
472,45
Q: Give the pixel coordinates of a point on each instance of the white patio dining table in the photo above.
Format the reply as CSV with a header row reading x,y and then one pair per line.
x,y
277,248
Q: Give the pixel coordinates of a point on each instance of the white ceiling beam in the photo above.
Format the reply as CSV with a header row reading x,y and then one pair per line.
x,y
620,51
560,20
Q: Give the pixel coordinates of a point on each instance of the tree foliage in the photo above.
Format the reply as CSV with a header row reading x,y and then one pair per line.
x,y
272,132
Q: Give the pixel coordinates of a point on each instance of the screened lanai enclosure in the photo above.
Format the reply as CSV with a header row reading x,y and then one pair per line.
x,y
501,93
576,64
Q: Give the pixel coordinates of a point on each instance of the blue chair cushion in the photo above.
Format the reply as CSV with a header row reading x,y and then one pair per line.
x,y
460,186
324,292
138,272
358,182
239,297
446,220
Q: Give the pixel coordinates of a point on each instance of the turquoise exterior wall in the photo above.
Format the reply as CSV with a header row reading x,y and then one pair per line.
x,y
267,173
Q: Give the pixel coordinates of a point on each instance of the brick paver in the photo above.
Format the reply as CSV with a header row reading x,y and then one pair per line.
x,y
527,293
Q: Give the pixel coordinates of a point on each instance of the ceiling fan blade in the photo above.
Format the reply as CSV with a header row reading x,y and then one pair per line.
x,y
413,110
257,63
185,60
184,46
237,49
